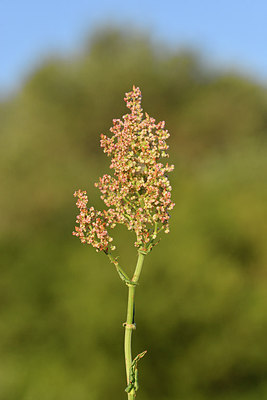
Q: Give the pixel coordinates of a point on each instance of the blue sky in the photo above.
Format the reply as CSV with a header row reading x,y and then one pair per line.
x,y
228,32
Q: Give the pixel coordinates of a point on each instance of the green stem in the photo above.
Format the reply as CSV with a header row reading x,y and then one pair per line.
x,y
139,265
129,325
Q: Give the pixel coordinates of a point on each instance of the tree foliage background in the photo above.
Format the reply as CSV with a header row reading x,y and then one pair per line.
x,y
201,304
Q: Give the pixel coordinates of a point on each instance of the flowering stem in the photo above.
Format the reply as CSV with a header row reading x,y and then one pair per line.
x,y
129,325
137,195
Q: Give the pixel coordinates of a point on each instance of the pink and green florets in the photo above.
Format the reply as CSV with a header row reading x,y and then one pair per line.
x,y
138,194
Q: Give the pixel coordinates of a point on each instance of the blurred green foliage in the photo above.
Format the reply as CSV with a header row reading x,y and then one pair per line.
x,y
202,301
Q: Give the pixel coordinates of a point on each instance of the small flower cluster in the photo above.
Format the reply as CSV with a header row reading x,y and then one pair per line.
x,y
93,224
138,194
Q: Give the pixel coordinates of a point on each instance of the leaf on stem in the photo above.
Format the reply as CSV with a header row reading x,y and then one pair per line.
x,y
133,375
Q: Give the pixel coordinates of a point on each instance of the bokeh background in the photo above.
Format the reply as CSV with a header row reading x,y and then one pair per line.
x,y
201,307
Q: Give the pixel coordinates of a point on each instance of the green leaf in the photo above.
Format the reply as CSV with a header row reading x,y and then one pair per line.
x,y
133,373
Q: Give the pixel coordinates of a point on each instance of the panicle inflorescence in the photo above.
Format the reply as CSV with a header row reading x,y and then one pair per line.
x,y
138,194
